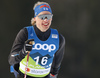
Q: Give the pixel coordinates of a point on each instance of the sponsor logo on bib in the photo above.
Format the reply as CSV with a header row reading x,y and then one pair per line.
x,y
39,46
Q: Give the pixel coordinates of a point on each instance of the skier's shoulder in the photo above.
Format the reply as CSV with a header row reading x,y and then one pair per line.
x,y
62,39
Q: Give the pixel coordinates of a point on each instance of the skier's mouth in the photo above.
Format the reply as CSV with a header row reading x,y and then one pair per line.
x,y
45,24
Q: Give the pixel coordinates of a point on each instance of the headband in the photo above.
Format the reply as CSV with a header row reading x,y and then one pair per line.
x,y
41,8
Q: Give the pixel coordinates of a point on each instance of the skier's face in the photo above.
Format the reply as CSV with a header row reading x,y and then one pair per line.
x,y
43,20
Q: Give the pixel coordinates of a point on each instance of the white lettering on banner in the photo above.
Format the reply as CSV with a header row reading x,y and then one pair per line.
x,y
39,46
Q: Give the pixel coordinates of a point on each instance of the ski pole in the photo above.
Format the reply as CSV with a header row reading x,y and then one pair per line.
x,y
31,42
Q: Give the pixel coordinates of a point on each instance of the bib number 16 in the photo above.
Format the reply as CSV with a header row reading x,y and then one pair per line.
x,y
43,60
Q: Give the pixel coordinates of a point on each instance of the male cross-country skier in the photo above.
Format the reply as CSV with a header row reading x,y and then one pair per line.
x,y
46,54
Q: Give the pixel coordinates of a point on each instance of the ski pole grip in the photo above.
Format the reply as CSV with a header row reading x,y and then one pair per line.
x,y
31,43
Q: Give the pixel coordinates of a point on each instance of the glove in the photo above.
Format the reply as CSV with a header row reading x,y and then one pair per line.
x,y
28,45
53,76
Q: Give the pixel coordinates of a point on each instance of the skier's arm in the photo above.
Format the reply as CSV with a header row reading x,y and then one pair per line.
x,y
17,53
58,56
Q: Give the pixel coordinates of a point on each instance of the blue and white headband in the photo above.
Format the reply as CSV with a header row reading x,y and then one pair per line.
x,y
41,8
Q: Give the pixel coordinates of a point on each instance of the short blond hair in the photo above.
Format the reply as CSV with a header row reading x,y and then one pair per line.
x,y
36,4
